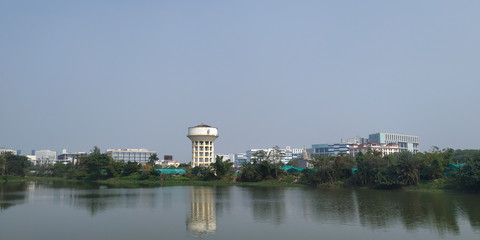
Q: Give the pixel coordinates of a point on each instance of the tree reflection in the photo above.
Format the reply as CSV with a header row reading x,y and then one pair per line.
x,y
387,209
468,206
377,209
99,200
12,193
329,205
223,201
420,210
268,204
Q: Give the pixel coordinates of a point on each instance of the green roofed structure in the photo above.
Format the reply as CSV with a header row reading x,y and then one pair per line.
x,y
171,171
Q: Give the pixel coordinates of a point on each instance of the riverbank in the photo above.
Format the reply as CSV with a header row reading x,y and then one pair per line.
x,y
126,181
129,182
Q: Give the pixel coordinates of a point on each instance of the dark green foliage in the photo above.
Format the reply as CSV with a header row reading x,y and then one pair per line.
x,y
328,170
221,167
407,168
95,150
97,166
469,175
144,176
462,156
60,169
131,168
250,173
204,173
387,178
433,164
310,177
184,165
13,164
257,171
115,168
152,159
368,166
197,170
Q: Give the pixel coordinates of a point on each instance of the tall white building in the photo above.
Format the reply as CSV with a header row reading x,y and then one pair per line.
x,y
43,157
405,142
202,137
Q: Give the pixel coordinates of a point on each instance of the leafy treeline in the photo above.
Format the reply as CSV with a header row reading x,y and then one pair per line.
x,y
11,164
396,170
460,167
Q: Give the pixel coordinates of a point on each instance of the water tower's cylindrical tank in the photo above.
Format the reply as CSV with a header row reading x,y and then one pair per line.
x,y
202,137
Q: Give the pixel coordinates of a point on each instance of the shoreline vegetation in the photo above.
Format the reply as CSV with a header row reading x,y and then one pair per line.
x,y
128,182
438,170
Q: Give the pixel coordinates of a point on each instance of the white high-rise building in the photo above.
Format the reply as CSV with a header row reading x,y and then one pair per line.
x,y
202,137
43,157
405,142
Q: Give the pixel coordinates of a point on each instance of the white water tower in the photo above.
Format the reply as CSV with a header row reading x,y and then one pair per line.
x,y
202,137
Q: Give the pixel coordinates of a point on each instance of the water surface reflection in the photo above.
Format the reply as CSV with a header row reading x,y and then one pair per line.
x,y
202,217
223,211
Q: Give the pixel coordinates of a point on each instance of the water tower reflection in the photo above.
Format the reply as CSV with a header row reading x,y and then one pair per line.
x,y
202,210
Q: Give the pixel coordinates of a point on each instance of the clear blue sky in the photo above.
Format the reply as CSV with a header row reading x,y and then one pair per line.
x,y
137,74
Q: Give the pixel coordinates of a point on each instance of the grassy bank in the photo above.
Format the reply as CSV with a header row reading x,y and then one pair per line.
x,y
133,181
189,182
434,185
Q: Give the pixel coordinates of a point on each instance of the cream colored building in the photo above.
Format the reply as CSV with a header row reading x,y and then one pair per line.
x,y
202,137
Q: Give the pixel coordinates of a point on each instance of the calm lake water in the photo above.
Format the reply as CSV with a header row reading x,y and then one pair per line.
x,y
54,210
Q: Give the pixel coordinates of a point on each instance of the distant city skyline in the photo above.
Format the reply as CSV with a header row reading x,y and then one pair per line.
x,y
121,74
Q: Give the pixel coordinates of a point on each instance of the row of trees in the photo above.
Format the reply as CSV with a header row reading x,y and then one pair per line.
x,y
401,169
370,169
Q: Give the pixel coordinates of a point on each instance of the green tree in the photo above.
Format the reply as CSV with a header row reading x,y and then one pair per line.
x,y
60,169
221,167
250,172
368,165
115,168
275,158
152,159
462,156
468,176
14,164
407,168
95,150
259,156
3,162
131,168
97,165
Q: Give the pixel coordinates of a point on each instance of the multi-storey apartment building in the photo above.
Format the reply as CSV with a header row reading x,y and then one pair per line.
x,y
132,155
405,142
331,149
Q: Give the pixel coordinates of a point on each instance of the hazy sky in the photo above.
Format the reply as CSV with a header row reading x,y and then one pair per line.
x,y
137,74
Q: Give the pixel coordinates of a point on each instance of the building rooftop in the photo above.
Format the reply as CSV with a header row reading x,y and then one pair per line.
x,y
203,125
